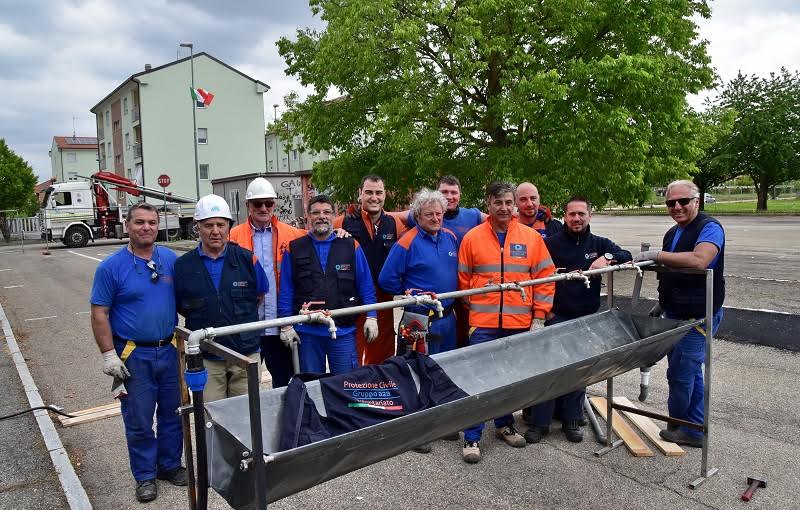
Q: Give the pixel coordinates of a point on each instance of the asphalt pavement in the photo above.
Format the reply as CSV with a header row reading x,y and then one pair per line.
x,y
754,414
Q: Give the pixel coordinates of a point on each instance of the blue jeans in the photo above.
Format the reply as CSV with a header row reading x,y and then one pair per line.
x,y
341,353
479,336
152,389
685,376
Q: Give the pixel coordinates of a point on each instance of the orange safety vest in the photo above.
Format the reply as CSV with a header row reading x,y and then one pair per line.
x,y
282,235
524,256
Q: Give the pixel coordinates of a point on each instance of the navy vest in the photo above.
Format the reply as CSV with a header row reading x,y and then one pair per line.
x,y
366,396
375,249
336,286
234,303
684,295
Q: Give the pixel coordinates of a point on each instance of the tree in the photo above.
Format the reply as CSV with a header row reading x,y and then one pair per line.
x,y
17,184
765,140
715,165
578,96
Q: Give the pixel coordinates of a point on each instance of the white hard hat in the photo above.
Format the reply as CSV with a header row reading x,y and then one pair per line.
x,y
260,188
212,206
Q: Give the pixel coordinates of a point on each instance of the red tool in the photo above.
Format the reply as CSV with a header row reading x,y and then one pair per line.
x,y
754,483
413,333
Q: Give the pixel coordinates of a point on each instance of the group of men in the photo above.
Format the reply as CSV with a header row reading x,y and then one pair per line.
x,y
264,269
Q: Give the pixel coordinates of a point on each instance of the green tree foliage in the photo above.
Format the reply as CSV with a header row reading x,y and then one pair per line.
x,y
765,140
17,184
578,96
715,166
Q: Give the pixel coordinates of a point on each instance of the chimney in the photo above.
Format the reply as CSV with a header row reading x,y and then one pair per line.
x,y
147,67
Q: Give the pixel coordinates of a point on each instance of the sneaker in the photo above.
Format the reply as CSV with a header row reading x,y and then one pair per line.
x,y
510,436
471,452
452,437
423,448
572,430
175,476
680,437
146,490
536,433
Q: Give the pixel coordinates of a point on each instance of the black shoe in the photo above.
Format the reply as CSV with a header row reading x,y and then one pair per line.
x,y
423,448
673,426
572,431
175,476
146,490
681,437
536,434
452,437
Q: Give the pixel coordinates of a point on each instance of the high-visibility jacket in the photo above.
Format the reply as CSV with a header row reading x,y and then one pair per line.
x,y
282,235
523,256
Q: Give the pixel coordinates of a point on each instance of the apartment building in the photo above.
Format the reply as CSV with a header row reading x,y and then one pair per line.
x,y
291,157
72,156
145,128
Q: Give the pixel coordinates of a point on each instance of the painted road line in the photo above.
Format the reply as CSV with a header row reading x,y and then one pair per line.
x,y
12,287
82,255
1,270
81,313
42,318
77,499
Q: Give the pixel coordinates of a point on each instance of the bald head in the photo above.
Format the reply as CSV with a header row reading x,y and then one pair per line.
x,y
527,199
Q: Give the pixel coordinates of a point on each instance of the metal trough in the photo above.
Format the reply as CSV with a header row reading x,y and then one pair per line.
x,y
501,376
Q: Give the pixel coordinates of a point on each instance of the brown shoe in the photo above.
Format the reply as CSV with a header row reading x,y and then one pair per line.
x,y
510,436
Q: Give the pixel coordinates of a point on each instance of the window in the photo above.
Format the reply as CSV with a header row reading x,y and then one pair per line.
x,y
108,117
128,141
118,159
72,176
63,198
128,174
234,201
294,154
125,106
202,135
204,171
117,125
71,157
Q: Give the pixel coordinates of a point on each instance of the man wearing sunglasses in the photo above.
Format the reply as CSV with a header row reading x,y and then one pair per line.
x,y
133,319
697,241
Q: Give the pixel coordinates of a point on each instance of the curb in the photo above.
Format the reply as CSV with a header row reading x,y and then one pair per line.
x,y
70,483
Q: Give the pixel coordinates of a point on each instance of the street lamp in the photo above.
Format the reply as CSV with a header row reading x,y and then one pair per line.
x,y
194,118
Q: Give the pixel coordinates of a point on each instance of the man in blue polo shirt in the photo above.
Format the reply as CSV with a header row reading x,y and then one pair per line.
x,y
220,284
697,241
133,319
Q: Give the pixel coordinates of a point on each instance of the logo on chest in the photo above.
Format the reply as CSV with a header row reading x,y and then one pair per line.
x,y
590,255
343,267
519,250
240,284
387,237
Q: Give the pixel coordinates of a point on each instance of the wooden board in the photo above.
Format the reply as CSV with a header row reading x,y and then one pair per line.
x,y
650,429
633,442
91,414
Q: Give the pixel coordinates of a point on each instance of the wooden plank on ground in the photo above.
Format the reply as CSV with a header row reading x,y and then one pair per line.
x,y
91,414
633,442
650,429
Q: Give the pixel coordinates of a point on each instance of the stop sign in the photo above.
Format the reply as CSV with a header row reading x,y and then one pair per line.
x,y
163,180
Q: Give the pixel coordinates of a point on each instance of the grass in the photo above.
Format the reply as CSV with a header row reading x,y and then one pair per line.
x,y
774,208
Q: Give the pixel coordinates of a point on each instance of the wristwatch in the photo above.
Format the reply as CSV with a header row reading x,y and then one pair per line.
x,y
609,257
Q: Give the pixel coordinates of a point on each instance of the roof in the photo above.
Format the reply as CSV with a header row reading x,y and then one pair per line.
x,y
134,77
75,142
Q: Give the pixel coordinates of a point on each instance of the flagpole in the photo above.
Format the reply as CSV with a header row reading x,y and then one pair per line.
x,y
194,118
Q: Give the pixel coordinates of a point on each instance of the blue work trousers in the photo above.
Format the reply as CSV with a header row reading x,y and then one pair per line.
x,y
685,376
152,389
277,358
341,353
441,336
479,336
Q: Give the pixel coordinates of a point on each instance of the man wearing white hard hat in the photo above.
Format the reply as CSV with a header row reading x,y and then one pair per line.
x,y
220,284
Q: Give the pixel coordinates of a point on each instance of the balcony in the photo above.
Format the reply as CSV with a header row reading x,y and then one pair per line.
x,y
135,114
137,151
101,134
102,162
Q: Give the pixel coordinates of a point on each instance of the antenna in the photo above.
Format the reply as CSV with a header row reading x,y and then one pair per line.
x,y
73,127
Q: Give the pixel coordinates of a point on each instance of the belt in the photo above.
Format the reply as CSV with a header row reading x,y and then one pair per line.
x,y
139,343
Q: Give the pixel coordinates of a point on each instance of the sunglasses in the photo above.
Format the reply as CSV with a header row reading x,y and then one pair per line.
x,y
682,201
258,204
155,275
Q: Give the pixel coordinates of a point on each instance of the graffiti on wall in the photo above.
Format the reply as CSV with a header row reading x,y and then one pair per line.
x,y
289,194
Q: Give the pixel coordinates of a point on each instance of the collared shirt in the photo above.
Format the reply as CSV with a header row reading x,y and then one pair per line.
x,y
262,248
215,266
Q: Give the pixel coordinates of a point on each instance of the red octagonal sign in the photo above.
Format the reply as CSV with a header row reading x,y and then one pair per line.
x,y
163,180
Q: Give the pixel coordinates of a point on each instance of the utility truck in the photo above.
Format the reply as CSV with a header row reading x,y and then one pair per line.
x,y
76,212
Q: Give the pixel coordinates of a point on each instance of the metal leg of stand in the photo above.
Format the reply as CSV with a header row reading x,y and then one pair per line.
x,y
610,443
200,448
256,440
610,290
705,471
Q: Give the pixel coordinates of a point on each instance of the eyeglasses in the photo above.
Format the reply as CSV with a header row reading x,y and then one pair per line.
x,y
155,275
682,201
258,204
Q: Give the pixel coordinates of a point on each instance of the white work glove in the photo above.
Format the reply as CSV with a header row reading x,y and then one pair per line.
x,y
371,329
113,366
537,324
289,335
647,255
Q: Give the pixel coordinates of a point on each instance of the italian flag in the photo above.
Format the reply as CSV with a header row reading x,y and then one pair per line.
x,y
202,96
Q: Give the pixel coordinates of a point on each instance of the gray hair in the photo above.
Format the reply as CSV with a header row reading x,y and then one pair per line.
x,y
683,182
426,197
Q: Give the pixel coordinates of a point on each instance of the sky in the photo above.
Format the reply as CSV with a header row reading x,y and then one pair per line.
x,y
60,57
